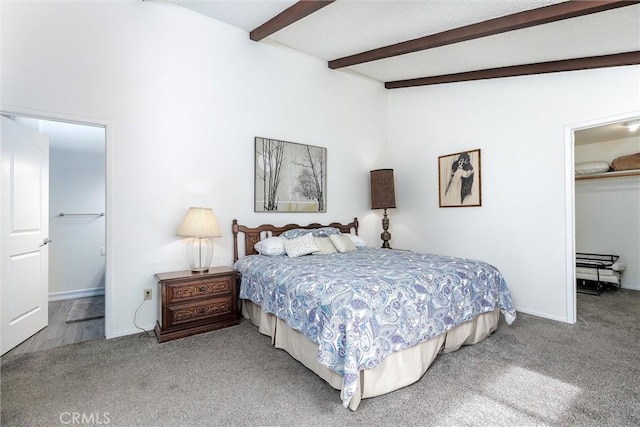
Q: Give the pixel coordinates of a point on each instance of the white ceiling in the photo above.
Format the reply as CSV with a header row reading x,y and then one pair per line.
x,y
73,137
67,136
605,133
347,27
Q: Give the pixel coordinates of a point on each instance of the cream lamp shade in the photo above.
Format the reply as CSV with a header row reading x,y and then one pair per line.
x,y
201,225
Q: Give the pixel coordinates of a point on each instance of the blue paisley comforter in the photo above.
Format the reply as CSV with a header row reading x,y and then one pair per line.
x,y
361,306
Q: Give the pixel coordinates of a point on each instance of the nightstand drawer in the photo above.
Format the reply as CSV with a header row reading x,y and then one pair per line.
x,y
177,315
177,293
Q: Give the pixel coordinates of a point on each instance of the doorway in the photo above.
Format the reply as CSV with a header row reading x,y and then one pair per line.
x,y
602,140
77,230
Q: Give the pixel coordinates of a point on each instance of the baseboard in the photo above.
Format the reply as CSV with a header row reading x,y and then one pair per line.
x,y
632,287
539,314
79,293
148,328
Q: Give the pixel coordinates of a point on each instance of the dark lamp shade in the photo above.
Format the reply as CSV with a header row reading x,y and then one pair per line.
x,y
383,193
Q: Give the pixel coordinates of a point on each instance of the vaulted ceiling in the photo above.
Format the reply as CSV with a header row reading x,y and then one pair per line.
x,y
421,42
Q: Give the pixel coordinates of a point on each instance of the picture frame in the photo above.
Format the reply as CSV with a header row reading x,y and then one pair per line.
x,y
289,176
459,179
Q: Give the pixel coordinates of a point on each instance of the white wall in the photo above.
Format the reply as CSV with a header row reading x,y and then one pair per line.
x,y
607,210
608,221
76,185
182,97
519,124
608,150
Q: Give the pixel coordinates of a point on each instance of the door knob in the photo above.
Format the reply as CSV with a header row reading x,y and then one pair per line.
x,y
46,240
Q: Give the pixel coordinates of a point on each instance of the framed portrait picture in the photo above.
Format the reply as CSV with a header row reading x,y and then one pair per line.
x,y
459,179
289,177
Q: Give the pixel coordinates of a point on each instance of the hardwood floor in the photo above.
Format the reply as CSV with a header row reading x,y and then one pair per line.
x,y
59,332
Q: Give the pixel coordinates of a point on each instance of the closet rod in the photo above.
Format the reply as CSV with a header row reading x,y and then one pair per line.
x,y
81,214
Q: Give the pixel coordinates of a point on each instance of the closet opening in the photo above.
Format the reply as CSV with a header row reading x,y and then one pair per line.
x,y
606,208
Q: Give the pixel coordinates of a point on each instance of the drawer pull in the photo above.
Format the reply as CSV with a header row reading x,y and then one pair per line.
x,y
202,288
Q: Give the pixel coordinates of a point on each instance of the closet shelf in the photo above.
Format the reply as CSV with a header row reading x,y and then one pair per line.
x,y
616,174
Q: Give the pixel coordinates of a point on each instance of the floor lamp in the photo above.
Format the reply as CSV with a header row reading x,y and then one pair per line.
x,y
383,196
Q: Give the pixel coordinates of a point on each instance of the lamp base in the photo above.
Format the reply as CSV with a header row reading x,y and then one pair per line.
x,y
385,235
200,254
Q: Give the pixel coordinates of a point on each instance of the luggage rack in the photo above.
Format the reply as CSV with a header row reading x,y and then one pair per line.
x,y
597,272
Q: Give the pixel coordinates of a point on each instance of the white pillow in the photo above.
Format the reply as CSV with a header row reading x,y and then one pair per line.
x,y
271,246
342,243
596,166
357,241
325,245
303,245
317,232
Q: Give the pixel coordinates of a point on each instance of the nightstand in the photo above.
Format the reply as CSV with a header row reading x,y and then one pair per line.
x,y
192,303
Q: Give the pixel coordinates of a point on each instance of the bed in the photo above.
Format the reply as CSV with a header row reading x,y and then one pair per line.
x,y
366,320
597,272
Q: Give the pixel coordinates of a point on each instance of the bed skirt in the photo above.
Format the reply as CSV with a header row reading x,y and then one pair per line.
x,y
396,371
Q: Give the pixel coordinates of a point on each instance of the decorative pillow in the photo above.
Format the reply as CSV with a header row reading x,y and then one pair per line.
x,y
357,241
271,246
625,163
596,166
325,245
342,243
303,245
326,231
316,232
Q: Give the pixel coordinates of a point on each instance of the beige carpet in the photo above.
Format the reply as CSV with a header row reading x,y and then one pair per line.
x,y
536,372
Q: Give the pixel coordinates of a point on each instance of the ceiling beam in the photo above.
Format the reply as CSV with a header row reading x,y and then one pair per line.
x,y
503,24
615,60
287,17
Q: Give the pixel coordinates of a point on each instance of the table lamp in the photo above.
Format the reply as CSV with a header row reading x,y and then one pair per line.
x,y
201,225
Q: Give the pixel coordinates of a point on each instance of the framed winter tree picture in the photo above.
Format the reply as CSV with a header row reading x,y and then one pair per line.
x,y
289,177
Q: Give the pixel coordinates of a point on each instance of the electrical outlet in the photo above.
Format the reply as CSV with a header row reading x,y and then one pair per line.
x,y
147,293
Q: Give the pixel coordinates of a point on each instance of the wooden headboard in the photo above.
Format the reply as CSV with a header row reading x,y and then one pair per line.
x,y
253,235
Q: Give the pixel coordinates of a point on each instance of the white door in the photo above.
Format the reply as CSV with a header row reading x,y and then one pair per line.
x,y
25,227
